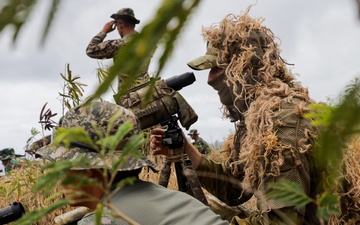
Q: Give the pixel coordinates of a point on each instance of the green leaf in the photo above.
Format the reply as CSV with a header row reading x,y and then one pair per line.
x,y
67,135
132,148
58,170
16,13
98,213
328,204
30,218
289,192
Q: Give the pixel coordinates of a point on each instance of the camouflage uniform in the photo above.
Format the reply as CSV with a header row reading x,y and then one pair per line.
x,y
199,143
143,202
8,157
100,49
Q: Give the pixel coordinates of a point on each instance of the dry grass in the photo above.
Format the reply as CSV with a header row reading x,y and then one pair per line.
x,y
18,185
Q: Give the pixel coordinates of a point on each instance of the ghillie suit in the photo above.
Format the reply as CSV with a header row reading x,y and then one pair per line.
x,y
350,195
273,139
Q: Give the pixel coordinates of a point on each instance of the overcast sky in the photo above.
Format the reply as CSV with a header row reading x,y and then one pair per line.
x,y
320,37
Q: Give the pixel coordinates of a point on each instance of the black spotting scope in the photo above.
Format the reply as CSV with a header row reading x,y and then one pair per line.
x,y
11,213
179,81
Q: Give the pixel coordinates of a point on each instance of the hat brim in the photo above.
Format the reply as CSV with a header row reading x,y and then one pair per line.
x,y
130,18
94,159
9,157
203,62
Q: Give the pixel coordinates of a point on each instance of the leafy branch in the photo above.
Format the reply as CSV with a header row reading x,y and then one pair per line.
x,y
72,90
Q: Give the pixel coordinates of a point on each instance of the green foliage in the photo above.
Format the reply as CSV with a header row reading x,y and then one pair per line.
x,y
102,74
66,136
328,204
32,217
98,213
34,132
17,12
337,128
337,124
289,192
47,182
72,89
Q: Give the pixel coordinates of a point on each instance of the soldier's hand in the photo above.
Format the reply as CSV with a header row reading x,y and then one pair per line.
x,y
109,26
156,138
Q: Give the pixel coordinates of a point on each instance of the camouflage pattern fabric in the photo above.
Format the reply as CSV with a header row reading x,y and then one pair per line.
x,y
8,158
201,146
206,61
7,153
106,219
13,164
163,103
199,143
100,49
97,114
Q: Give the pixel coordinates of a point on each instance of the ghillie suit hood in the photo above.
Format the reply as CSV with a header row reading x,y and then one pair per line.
x,y
260,84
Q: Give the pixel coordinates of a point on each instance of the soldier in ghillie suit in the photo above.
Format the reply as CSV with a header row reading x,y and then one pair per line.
x,y
8,159
273,139
124,21
140,201
199,143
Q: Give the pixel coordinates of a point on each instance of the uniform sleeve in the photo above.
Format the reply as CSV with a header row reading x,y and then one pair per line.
x,y
100,49
215,180
206,147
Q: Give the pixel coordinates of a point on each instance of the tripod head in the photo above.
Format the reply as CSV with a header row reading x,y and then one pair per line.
x,y
173,135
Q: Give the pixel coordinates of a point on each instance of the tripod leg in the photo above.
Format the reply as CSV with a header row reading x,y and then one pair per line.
x,y
165,174
194,184
181,179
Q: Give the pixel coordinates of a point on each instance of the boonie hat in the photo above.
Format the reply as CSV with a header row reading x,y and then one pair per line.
x,y
125,13
204,62
97,114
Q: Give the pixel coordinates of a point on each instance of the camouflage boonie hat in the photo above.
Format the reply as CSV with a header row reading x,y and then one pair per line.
x,y
7,153
191,132
125,13
97,114
204,62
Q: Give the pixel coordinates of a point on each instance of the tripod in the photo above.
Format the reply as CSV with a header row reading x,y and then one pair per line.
x,y
186,177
